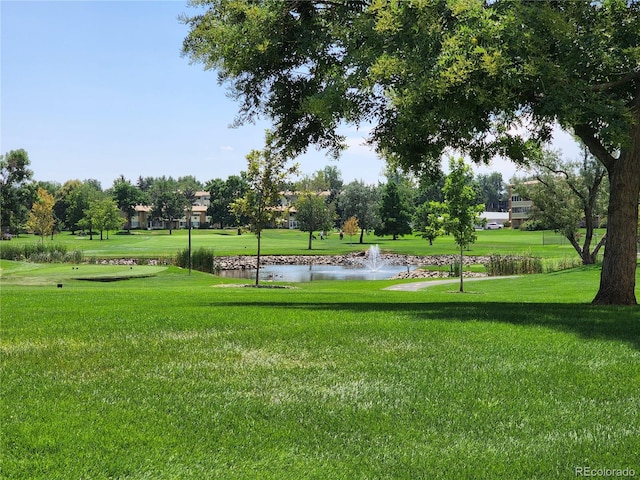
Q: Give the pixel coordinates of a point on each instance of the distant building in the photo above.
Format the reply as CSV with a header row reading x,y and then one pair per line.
x,y
519,208
142,218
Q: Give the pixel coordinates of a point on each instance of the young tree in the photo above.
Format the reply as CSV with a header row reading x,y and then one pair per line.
x,y
436,75
427,221
462,213
394,215
351,227
267,171
566,194
313,214
41,218
103,215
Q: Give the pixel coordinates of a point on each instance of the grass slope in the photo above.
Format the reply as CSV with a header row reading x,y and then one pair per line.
x,y
174,377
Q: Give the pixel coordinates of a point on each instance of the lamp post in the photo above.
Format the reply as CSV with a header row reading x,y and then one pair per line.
x,y
189,227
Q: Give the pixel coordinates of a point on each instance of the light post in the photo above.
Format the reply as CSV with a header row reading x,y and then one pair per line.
x,y
189,227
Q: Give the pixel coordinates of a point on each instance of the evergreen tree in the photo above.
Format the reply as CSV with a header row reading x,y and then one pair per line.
x,y
394,216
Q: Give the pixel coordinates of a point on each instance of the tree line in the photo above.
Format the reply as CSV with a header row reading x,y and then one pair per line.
x,y
323,200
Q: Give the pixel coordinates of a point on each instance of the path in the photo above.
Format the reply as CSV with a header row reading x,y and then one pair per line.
x,y
415,286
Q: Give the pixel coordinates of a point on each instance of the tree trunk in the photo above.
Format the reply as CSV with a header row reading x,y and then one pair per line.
x,y
362,235
461,259
258,260
618,276
310,238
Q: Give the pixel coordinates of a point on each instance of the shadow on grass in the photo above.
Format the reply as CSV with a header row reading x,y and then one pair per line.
x,y
591,322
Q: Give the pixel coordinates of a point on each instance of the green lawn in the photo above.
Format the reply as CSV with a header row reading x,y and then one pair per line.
x,y
183,377
293,242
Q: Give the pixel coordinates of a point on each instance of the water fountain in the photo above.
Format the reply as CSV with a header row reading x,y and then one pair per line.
x,y
374,261
371,267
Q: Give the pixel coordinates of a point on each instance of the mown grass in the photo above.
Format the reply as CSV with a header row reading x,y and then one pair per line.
x,y
146,244
174,377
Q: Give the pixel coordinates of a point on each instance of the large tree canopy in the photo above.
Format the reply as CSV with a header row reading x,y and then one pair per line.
x,y
486,78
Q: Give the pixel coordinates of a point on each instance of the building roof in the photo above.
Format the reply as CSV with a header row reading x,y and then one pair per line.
x,y
495,215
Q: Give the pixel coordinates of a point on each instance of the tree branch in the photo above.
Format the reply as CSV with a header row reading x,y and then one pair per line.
x,y
588,136
599,245
628,77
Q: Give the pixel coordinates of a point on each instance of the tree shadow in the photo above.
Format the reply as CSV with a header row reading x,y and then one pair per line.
x,y
620,324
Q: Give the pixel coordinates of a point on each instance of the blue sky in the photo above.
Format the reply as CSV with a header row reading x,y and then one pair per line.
x,y
98,89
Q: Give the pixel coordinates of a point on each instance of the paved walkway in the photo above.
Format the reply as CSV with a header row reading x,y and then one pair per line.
x,y
415,286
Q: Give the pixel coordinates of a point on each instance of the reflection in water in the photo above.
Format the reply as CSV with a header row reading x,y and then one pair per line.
x,y
308,273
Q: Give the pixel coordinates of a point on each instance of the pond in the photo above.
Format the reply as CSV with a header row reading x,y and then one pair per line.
x,y
309,273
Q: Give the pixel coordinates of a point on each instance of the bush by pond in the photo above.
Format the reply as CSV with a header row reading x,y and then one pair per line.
x,y
513,265
202,259
40,253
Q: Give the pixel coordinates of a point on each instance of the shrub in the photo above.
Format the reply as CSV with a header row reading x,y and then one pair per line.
x,y
454,270
202,260
513,265
564,263
40,253
533,225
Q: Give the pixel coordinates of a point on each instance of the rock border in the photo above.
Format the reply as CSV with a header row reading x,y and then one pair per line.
x,y
355,260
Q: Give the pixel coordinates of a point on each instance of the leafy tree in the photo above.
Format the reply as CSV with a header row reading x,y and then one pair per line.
x,y
312,183
267,171
41,218
189,182
462,213
78,197
62,198
566,194
313,214
223,193
394,216
52,188
492,191
333,179
102,215
427,221
14,175
127,196
360,201
328,179
167,202
144,184
351,227
467,75
219,206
